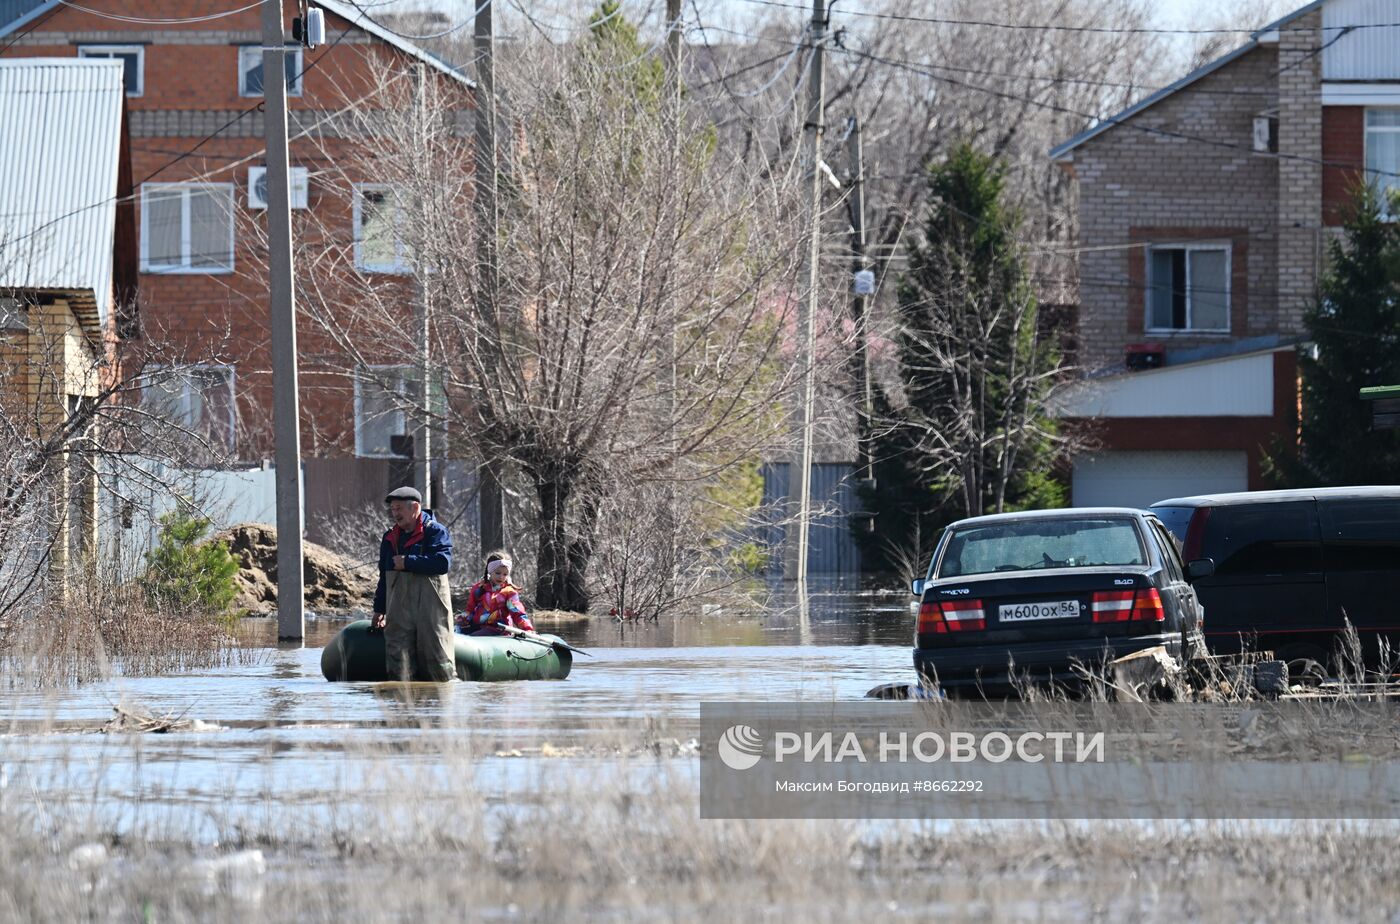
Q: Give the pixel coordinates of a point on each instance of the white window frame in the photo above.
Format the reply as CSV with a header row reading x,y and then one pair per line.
x,y
1384,183
401,261
184,267
185,407
362,377
248,51
140,50
1222,246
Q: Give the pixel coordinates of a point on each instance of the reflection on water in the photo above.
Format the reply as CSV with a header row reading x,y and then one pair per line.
x,y
281,728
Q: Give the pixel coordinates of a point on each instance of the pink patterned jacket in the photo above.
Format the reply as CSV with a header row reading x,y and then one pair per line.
x,y
488,608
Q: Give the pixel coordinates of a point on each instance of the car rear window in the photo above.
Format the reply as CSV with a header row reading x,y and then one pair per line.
x,y
1176,519
1059,542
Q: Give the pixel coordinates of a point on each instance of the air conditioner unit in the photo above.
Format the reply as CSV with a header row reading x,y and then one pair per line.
x,y
257,187
1145,356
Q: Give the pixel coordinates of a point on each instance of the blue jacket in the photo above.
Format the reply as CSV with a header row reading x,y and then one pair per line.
x,y
427,551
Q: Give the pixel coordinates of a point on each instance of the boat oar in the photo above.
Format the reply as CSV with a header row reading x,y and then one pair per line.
x,y
539,639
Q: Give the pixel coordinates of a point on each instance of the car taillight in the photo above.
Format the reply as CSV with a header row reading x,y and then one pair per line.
x,y
1195,534
1125,605
1148,606
964,615
1112,605
931,619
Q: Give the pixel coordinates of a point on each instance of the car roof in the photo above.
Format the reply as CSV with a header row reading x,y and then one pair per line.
x,y
1060,513
1274,497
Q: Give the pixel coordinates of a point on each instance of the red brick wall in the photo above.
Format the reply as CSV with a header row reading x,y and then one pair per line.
x,y
1137,272
1343,142
224,317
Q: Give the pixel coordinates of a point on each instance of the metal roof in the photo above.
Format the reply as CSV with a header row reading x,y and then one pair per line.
x,y
14,14
361,20
60,149
1058,152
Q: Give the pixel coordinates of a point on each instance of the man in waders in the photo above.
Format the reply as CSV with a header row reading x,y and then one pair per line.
x,y
413,604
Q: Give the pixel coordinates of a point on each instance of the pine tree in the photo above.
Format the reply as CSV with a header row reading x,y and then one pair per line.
x,y
1355,326
971,434
187,574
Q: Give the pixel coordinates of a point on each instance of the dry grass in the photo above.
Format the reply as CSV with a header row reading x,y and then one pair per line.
x,y
418,835
103,629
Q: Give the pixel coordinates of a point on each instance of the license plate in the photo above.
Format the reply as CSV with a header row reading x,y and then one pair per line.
x,y
1024,612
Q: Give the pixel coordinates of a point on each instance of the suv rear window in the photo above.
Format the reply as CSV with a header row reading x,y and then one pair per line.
x,y
1059,542
1259,539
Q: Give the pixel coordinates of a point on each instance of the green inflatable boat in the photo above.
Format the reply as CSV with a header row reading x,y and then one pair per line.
x,y
358,654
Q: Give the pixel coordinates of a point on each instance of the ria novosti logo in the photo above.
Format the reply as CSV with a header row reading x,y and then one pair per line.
x,y
740,747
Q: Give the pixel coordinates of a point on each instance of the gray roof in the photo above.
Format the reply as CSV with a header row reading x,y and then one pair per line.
x,y
1058,152
18,12
15,14
60,149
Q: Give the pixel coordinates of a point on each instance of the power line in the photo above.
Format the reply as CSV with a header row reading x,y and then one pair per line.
x,y
145,21
1052,27
1121,119
242,115
1059,79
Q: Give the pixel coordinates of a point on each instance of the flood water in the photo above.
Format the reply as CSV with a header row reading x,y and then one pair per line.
x,y
271,724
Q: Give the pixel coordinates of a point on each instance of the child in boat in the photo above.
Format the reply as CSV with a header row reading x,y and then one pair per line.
x,y
494,601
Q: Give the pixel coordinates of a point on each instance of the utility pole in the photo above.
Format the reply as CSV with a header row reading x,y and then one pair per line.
x,y
673,124
422,437
812,136
862,284
286,412
490,497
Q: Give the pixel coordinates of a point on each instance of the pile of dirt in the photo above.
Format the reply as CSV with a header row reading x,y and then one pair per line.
x,y
333,583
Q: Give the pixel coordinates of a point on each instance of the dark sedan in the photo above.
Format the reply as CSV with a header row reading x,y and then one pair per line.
x,y
1031,595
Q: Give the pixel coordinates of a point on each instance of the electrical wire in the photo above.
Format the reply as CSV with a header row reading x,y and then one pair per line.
x,y
782,69
1050,27
422,38
1121,119
136,191
148,21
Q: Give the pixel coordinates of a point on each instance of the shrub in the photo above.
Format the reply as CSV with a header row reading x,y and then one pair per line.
x,y
185,573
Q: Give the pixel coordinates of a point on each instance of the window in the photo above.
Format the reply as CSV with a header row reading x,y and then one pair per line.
x,y
198,399
1362,535
381,397
187,228
1188,288
384,399
1262,539
1025,545
133,58
250,70
1383,152
1171,552
379,245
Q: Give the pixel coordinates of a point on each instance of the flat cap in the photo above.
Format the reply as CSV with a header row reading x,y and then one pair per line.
x,y
404,494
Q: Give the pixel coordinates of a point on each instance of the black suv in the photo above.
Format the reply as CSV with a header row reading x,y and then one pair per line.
x,y
1290,565
1035,593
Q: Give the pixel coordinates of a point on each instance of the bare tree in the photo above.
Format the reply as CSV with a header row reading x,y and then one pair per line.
x,y
623,255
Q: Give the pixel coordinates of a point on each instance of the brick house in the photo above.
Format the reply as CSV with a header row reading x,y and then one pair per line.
x,y
1204,214
67,264
193,77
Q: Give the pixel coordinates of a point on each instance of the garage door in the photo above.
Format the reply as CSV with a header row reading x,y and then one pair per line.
x,y
1138,479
